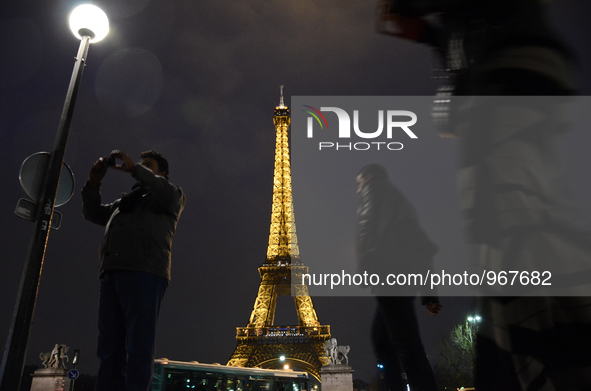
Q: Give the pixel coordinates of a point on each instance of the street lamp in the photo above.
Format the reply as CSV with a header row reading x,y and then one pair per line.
x,y
89,20
90,24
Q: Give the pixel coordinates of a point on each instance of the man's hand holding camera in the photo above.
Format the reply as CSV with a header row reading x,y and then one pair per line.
x,y
97,172
126,165
100,167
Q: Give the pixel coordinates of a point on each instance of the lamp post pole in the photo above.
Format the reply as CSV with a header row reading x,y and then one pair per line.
x,y
13,360
15,353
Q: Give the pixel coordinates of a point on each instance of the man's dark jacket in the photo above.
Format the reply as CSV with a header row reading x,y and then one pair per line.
x,y
139,226
390,239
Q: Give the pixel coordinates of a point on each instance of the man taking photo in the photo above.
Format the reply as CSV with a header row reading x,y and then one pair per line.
x,y
134,267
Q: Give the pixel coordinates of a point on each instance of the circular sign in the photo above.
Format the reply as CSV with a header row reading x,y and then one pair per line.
x,y
73,374
32,174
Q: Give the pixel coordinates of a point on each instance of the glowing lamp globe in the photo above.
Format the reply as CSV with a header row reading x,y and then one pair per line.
x,y
89,20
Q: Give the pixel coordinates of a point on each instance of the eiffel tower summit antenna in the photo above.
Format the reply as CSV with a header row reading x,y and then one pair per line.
x,y
281,105
262,343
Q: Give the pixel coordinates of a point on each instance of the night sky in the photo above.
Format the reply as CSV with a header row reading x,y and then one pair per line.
x,y
198,82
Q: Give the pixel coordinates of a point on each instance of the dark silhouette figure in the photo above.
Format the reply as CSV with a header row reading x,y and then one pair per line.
x,y
134,268
518,215
391,240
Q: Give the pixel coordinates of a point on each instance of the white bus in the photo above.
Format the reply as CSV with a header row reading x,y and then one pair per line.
x,y
178,375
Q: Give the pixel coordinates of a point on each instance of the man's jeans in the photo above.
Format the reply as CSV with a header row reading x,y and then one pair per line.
x,y
397,343
128,312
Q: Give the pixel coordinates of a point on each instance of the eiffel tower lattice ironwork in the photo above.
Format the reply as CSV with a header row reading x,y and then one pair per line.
x,y
262,343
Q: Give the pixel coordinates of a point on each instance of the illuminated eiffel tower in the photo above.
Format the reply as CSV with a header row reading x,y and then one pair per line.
x,y
262,343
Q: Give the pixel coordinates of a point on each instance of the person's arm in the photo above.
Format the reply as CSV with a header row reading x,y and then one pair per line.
x,y
367,226
406,27
421,8
406,19
169,196
92,209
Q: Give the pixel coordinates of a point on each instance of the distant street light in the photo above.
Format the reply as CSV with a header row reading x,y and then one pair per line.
x,y
474,319
90,24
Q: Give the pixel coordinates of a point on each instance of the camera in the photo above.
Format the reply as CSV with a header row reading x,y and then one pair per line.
x,y
108,161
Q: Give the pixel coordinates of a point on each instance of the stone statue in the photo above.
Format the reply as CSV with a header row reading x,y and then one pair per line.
x,y
329,346
336,353
55,359
341,353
